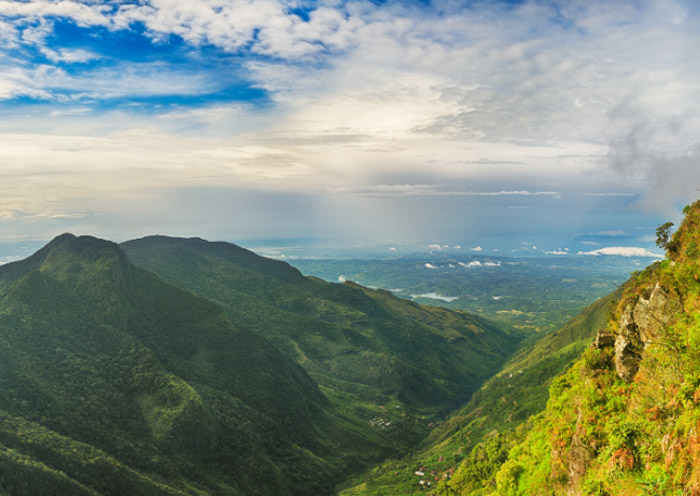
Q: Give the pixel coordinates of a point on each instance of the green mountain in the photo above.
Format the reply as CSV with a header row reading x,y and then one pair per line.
x,y
114,382
360,345
504,402
625,418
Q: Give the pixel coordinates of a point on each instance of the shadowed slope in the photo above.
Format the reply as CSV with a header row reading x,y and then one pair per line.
x,y
113,382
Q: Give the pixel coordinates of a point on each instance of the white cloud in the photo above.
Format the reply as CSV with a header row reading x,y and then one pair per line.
x,y
69,56
557,252
362,92
612,233
82,14
432,190
435,247
608,194
429,266
477,248
469,265
624,251
477,263
435,296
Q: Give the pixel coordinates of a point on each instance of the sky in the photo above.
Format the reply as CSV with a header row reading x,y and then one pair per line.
x,y
520,126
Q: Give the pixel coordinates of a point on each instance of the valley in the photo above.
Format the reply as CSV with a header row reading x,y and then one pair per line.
x,y
534,295
349,248
157,363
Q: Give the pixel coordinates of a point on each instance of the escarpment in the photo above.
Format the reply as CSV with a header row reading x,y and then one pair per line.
x,y
639,325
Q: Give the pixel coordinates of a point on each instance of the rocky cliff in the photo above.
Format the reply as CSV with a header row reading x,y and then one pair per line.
x,y
625,419
639,326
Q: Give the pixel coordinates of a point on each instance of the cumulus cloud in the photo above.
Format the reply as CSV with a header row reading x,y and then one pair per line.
x,y
69,56
477,263
267,27
623,251
469,265
428,265
477,248
369,100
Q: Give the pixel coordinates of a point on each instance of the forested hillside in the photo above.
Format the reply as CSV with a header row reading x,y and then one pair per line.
x,y
474,439
361,345
113,382
625,419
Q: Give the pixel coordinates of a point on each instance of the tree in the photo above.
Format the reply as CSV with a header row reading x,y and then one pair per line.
x,y
663,235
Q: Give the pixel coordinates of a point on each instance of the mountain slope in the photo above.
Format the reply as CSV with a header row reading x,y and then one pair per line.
x,y
352,340
500,405
114,382
624,420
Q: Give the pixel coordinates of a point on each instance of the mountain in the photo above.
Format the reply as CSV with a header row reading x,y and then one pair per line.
x,y
362,346
114,382
234,375
625,418
504,402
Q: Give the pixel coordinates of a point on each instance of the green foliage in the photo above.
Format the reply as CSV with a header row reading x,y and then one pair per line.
x,y
663,235
453,448
604,436
350,339
535,295
113,382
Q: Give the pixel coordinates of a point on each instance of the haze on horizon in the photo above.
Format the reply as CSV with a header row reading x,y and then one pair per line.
x,y
569,124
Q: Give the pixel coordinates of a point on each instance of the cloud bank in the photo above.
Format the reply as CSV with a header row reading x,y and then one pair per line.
x,y
355,104
623,251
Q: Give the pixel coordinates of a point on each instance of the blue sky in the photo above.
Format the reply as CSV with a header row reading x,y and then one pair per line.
x,y
502,124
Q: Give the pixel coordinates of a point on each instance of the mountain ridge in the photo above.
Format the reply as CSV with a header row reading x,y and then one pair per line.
x,y
154,378
115,381
340,322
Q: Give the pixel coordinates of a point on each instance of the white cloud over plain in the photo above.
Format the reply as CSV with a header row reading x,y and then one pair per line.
x,y
623,251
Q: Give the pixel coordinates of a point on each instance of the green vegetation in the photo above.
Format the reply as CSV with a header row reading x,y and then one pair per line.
x,y
533,296
624,420
205,369
113,381
468,448
663,235
366,345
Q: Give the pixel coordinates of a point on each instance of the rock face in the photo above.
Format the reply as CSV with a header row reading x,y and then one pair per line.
x,y
639,326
